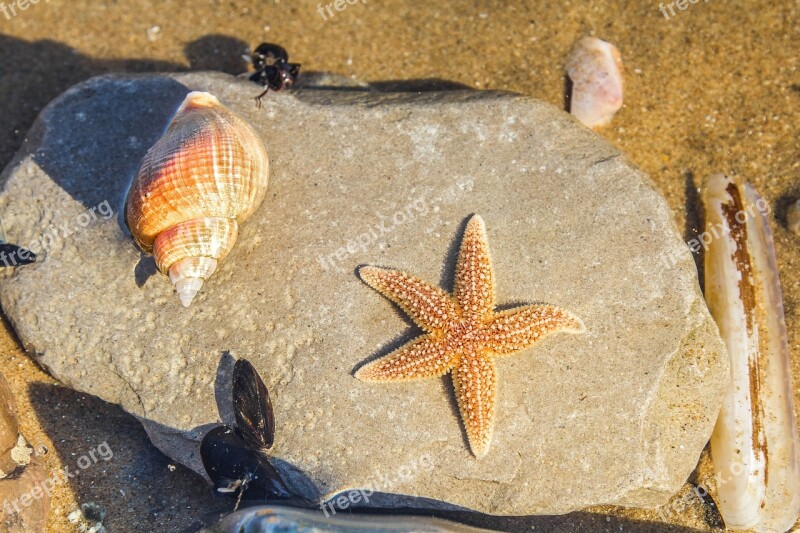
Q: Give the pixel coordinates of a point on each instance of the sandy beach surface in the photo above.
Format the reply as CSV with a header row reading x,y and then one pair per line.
x,y
714,88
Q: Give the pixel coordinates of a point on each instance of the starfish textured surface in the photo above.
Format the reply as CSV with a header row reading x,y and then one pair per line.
x,y
463,332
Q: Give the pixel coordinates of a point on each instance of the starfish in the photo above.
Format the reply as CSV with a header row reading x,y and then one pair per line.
x,y
463,332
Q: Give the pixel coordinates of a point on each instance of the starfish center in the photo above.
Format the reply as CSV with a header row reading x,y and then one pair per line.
x,y
465,335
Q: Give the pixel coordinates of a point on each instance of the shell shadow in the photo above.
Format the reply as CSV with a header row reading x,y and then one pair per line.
x,y
784,202
448,277
145,269
327,81
420,85
567,93
36,72
223,388
695,212
115,147
217,52
135,471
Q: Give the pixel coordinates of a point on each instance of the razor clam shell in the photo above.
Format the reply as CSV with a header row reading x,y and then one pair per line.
x,y
754,445
335,520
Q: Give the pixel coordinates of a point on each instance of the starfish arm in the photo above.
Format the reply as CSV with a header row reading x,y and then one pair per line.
x,y
475,384
517,329
421,358
474,283
430,307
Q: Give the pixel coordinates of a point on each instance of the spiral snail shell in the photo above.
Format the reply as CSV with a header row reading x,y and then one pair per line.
x,y
196,184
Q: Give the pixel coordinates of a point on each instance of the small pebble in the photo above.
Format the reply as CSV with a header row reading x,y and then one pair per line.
x,y
153,32
89,518
21,453
595,68
93,512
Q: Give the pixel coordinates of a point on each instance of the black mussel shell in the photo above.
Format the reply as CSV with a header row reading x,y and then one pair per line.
x,y
255,421
233,466
12,255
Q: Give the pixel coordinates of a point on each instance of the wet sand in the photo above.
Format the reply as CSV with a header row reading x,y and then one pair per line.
x,y
714,88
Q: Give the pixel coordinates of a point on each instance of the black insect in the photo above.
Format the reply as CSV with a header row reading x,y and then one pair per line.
x,y
235,458
273,70
12,255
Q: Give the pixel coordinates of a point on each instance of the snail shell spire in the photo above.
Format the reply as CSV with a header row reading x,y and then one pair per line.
x,y
196,184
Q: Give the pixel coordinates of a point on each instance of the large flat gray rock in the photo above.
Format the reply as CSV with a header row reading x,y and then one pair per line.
x,y
617,415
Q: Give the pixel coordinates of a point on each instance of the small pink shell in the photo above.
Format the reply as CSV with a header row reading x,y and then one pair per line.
x,y
595,68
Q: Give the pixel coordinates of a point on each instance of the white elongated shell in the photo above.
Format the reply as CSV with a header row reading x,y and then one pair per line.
x,y
754,447
204,176
595,69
